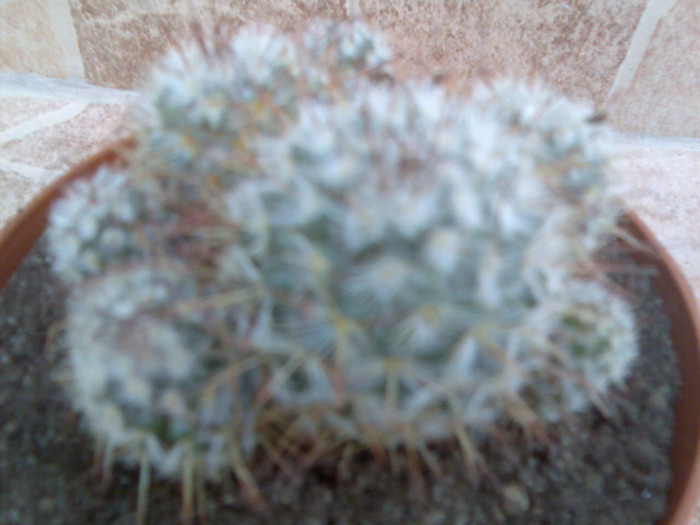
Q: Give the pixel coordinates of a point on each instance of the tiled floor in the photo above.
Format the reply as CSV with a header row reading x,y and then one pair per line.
x,y
662,178
49,125
45,128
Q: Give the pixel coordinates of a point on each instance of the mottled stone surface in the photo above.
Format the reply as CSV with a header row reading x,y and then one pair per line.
x,y
28,43
16,110
40,138
663,185
663,96
119,41
78,132
576,45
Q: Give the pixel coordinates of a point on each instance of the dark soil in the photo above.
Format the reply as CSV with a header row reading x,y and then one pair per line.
x,y
593,469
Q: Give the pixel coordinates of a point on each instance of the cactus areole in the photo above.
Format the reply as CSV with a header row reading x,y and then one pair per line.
x,y
306,253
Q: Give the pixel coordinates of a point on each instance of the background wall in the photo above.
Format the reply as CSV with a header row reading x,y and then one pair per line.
x,y
639,59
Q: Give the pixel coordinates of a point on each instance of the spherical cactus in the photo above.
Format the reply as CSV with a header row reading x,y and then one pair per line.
x,y
305,256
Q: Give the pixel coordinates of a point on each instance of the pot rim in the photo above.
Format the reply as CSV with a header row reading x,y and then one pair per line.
x,y
18,237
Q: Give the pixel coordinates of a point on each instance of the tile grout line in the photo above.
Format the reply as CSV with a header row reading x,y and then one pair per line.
x,y
41,121
31,85
654,11
689,144
26,171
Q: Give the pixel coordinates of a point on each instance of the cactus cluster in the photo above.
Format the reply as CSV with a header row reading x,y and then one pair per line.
x,y
306,254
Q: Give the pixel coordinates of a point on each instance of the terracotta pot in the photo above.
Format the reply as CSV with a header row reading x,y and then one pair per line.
x,y
18,238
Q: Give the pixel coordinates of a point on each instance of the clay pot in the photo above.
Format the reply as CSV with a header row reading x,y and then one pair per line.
x,y
18,238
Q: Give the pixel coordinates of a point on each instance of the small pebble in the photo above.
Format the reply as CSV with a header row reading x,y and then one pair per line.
x,y
516,500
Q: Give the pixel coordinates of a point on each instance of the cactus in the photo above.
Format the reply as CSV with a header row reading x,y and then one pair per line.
x,y
306,254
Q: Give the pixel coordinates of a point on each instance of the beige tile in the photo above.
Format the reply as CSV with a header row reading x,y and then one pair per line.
x,y
662,179
16,110
575,45
41,138
69,134
663,97
285,14
119,41
37,37
120,55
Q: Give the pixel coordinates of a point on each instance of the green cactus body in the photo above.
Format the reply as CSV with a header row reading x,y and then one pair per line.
x,y
304,254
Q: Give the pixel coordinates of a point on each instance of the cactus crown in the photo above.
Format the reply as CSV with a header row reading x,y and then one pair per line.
x,y
307,252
